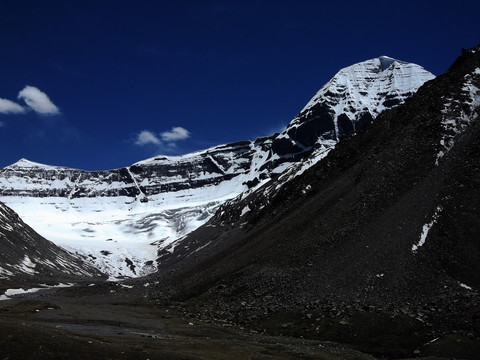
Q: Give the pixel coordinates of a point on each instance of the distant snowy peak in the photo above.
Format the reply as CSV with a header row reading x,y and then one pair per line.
x,y
371,84
25,164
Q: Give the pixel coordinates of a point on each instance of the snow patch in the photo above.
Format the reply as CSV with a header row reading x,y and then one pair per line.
x,y
426,229
465,286
126,286
4,273
9,293
27,266
245,210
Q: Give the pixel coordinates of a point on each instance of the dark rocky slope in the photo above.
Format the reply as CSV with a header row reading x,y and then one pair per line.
x,y
386,225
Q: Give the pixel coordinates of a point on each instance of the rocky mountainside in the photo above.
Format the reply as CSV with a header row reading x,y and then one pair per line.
x,y
119,218
26,258
385,226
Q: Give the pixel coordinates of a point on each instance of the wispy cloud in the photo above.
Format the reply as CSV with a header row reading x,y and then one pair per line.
x,y
38,101
177,133
10,107
164,141
147,137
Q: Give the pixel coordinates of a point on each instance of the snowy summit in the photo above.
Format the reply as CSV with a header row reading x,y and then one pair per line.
x,y
370,86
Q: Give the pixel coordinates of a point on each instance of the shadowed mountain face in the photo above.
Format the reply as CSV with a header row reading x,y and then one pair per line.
x,y
390,218
119,218
26,258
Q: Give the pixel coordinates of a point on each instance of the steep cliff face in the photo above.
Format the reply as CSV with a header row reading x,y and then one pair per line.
x,y
28,178
119,218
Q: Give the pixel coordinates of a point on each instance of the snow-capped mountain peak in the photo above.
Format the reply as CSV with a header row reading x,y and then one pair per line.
x,y
371,87
384,76
120,218
27,164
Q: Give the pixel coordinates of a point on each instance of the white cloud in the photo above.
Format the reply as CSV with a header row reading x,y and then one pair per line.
x,y
38,101
147,137
10,107
177,133
165,141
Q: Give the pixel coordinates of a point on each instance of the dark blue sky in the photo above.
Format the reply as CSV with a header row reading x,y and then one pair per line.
x,y
110,83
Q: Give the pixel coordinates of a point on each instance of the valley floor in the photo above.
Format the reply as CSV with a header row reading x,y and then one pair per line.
x,y
80,322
